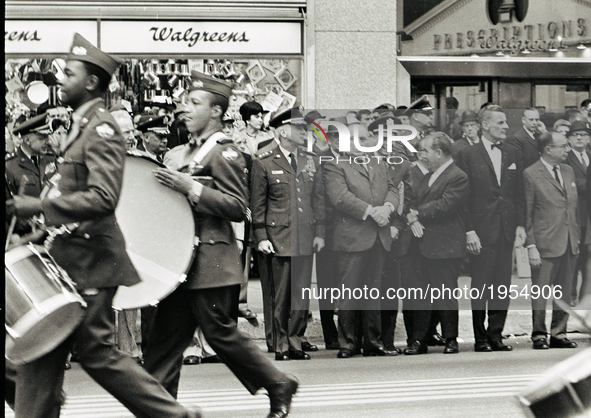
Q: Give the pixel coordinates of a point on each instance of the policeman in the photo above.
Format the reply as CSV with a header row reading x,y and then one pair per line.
x,y
155,133
288,222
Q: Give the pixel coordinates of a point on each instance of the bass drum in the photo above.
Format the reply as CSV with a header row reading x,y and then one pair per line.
x,y
159,229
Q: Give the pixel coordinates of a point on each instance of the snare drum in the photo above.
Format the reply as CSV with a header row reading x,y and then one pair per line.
x,y
42,308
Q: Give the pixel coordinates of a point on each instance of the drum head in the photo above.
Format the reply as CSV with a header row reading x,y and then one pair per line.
x,y
159,230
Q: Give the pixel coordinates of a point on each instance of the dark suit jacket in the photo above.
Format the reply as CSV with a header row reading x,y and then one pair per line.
x,y
402,176
526,146
441,211
493,211
581,181
290,225
551,210
458,146
351,188
223,200
91,169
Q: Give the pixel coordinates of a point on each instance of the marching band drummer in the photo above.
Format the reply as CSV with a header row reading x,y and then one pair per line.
x,y
209,298
93,253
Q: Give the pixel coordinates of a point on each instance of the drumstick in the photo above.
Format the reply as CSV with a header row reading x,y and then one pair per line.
x,y
21,190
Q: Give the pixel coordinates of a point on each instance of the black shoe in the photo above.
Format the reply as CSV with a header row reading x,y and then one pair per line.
x,y
344,353
298,355
499,346
562,343
482,347
191,360
280,395
379,351
306,346
282,356
451,346
541,344
67,366
436,339
332,346
139,360
74,358
356,351
247,314
211,359
270,349
391,347
416,347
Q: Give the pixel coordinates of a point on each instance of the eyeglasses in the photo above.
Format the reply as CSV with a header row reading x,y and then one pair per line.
x,y
580,134
565,147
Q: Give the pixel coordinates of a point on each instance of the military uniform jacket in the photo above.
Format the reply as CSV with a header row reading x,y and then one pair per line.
x,y
351,188
17,165
290,225
223,200
91,169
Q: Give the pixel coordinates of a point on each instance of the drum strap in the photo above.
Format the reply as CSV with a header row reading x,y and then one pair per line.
x,y
206,147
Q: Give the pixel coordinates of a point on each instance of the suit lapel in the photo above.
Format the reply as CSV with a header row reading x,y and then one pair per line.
x,y
484,155
577,163
550,177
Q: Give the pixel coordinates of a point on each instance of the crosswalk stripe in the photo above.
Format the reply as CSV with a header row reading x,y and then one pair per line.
x,y
105,406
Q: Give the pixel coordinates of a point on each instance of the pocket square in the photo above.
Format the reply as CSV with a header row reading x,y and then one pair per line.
x,y
512,167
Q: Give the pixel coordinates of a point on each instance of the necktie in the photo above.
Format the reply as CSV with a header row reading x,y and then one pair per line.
x,y
294,164
35,159
585,158
555,169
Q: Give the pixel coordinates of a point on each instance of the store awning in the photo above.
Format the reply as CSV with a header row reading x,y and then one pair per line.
x,y
149,9
506,67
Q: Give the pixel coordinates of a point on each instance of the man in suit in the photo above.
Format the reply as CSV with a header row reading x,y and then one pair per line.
x,y
364,197
93,253
209,298
437,221
470,132
578,160
525,139
552,235
288,223
495,222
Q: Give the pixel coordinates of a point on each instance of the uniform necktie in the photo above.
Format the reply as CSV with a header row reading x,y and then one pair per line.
x,y
293,162
35,159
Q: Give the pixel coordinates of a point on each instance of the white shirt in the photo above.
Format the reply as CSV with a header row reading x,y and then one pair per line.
x,y
495,155
551,170
440,170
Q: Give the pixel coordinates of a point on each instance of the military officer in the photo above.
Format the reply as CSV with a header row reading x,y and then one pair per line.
x,y
155,133
209,298
93,253
288,222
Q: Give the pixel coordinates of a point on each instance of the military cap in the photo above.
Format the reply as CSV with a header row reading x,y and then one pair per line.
x,y
577,126
387,118
82,50
312,116
228,119
41,124
469,116
205,82
292,116
153,123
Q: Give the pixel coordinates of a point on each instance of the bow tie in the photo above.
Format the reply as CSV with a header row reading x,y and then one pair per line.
x,y
497,144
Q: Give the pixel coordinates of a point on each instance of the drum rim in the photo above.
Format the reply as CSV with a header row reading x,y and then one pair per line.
x,y
14,255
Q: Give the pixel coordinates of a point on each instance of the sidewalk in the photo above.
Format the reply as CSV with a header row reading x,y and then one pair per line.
x,y
519,318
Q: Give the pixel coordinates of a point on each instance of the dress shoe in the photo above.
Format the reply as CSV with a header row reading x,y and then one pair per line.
x,y
280,395
541,344
451,346
356,351
298,355
139,360
345,354
270,349
391,347
211,359
562,343
67,366
74,358
436,339
416,347
499,346
379,351
306,346
482,347
282,356
247,314
191,360
332,346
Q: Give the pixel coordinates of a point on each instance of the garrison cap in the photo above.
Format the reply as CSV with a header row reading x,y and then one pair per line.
x,y
152,123
82,50
292,116
205,82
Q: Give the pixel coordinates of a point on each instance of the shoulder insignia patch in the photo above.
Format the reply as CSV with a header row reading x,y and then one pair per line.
x,y
230,154
105,131
10,156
